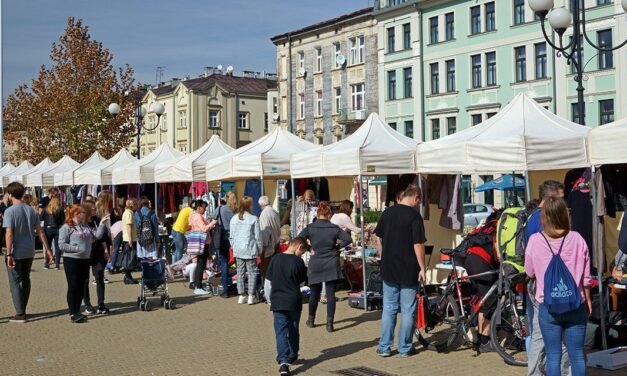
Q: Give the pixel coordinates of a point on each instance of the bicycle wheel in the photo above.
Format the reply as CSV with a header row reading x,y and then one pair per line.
x,y
444,313
508,329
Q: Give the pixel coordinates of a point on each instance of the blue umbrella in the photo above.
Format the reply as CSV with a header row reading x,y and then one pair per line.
x,y
503,183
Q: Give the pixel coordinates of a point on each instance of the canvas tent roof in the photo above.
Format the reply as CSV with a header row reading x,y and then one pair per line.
x,y
45,176
143,170
16,175
191,167
269,156
101,174
607,143
66,178
374,149
523,136
6,169
36,171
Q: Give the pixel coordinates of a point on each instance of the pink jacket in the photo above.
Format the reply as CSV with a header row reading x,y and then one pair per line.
x,y
198,223
574,253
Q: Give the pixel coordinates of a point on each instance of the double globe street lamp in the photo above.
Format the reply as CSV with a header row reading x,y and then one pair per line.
x,y
561,19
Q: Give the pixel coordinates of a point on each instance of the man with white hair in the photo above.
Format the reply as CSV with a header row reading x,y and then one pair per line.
x,y
270,225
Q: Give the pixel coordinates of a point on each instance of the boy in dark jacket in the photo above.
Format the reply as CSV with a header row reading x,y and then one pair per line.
x,y
286,272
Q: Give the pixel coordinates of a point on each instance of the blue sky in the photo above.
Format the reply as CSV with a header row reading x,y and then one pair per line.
x,y
184,36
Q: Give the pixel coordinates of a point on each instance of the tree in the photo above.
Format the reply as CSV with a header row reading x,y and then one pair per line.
x,y
64,110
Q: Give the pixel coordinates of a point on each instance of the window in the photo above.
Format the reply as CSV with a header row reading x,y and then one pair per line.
x,y
603,2
540,60
338,52
606,111
357,50
319,59
450,75
164,123
391,85
476,71
574,110
451,125
152,121
407,83
406,36
521,63
318,103
490,114
450,26
182,119
475,119
434,70
357,97
393,125
275,106
409,129
213,119
301,106
606,59
301,61
475,20
490,17
182,148
435,129
519,12
242,120
433,27
338,100
391,39
490,70
265,121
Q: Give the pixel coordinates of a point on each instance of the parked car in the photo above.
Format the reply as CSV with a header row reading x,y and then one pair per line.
x,y
474,214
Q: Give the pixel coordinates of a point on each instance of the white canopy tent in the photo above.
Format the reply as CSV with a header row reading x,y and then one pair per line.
x,y
143,170
45,176
267,157
66,178
16,175
607,143
523,136
191,167
6,169
41,166
101,174
374,149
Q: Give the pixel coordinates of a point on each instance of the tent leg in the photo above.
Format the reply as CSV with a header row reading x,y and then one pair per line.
x,y
600,257
527,186
193,190
422,203
363,243
156,202
115,202
293,224
262,188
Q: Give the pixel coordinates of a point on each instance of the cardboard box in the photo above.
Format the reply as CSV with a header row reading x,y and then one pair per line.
x,y
611,359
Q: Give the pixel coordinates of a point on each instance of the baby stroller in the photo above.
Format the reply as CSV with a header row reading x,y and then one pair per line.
x,y
154,282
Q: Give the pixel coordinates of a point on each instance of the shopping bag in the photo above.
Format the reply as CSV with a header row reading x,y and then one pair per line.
x,y
195,242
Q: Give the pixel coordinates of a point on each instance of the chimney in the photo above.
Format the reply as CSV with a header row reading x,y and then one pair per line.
x,y
175,82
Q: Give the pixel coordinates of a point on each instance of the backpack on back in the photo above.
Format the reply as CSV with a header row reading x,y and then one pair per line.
x,y
146,236
560,290
510,234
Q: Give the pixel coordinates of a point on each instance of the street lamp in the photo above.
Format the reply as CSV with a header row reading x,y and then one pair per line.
x,y
560,19
139,113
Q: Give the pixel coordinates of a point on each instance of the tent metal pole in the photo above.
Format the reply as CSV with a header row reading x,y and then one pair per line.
x,y
359,194
262,187
599,255
156,201
193,190
527,186
422,202
293,224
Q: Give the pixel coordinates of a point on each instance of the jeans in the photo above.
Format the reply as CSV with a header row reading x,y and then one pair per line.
x,y
52,234
19,283
395,295
76,274
316,290
569,327
247,267
98,273
179,245
224,264
287,335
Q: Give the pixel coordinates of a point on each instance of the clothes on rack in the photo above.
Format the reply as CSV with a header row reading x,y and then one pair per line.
x,y
395,184
445,191
615,184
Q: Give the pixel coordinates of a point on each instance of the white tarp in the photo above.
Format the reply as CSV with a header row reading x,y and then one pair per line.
x,y
16,175
374,149
45,176
6,170
66,178
36,171
101,174
143,170
269,156
607,143
192,166
523,136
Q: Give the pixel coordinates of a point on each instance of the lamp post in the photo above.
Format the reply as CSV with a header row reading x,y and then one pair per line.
x,y
560,19
139,112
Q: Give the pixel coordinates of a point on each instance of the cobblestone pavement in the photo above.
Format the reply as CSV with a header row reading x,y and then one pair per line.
x,y
201,336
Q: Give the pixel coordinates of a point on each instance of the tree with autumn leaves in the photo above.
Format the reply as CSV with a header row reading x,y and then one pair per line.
x,y
64,110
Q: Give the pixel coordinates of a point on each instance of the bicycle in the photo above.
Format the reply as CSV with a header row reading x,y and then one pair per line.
x,y
452,313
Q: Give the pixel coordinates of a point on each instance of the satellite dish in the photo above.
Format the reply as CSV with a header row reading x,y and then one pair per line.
x,y
219,66
340,60
302,71
275,117
229,69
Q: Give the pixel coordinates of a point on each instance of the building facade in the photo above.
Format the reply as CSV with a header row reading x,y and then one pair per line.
x,y
233,107
327,76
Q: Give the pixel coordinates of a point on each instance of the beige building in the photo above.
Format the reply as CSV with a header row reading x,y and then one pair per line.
x,y
233,107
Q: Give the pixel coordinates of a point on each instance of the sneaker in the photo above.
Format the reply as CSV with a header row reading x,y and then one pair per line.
x,y
191,286
130,281
106,280
407,354
225,295
78,318
90,310
252,299
284,370
384,354
18,319
102,310
201,292
93,282
486,347
242,299
46,267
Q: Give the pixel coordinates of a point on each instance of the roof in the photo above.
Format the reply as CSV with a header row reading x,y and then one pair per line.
x,y
362,12
233,84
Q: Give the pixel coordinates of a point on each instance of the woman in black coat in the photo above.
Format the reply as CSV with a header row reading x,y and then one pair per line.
x,y
326,241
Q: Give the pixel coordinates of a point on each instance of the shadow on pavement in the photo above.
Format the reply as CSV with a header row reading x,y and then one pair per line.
x,y
334,353
356,320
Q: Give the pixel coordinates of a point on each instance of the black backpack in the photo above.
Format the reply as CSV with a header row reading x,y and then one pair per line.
x,y
146,235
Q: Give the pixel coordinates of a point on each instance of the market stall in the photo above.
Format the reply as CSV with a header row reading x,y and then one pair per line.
x,y
45,177
41,166
66,178
16,174
102,173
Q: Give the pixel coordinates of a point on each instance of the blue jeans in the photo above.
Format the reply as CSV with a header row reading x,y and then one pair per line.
x,y
569,326
393,296
179,245
287,335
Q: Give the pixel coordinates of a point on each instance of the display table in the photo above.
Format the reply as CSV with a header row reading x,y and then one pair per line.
x,y
352,266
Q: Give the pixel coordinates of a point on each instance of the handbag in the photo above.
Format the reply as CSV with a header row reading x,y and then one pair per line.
x,y
195,242
127,260
217,232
